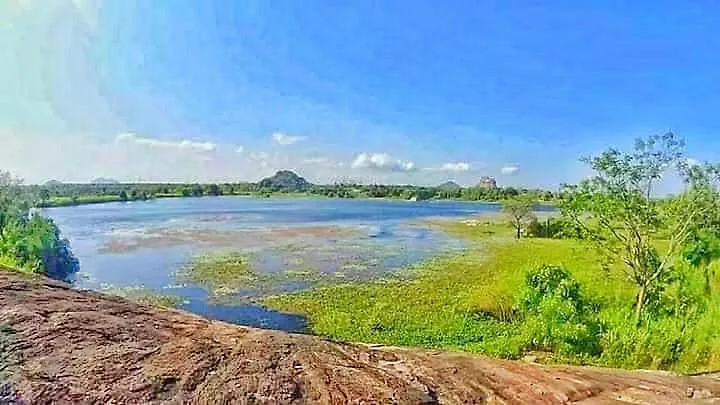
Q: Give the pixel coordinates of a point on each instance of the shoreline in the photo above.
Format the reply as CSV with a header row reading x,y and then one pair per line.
x,y
107,199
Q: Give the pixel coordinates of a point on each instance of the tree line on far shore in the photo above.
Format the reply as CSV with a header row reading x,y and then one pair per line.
x,y
57,194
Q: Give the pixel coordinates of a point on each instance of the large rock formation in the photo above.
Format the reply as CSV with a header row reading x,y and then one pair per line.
x,y
487,182
285,180
63,346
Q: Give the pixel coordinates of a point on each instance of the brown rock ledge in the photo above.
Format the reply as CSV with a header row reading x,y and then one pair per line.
x,y
64,346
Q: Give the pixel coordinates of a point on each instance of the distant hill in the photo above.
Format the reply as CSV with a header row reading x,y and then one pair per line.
x,y
449,185
102,180
53,183
285,180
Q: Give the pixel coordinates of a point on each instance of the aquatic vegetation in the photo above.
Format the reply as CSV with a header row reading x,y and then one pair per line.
x,y
219,273
146,296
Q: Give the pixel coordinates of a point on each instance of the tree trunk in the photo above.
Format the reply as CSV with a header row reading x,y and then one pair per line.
x,y
518,232
706,273
640,304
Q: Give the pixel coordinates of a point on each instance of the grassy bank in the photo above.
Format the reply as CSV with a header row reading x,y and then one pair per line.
x,y
469,303
80,200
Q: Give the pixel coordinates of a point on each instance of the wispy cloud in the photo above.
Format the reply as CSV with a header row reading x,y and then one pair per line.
x,y
381,162
240,149
130,138
509,170
285,139
451,167
317,160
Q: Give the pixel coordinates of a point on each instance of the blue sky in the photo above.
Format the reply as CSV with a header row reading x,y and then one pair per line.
x,y
396,91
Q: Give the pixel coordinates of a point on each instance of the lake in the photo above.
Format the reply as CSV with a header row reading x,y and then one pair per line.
x,y
144,244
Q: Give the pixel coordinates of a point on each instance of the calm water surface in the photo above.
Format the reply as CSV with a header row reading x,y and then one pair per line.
x,y
145,243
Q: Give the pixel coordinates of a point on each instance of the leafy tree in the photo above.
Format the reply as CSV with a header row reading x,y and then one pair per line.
x,y
520,213
30,240
702,246
196,190
44,195
214,190
616,209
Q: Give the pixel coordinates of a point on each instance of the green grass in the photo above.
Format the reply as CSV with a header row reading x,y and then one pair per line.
x,y
80,200
466,302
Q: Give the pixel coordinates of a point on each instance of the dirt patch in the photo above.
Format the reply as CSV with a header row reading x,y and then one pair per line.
x,y
83,347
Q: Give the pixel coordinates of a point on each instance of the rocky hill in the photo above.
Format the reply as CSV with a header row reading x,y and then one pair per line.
x,y
63,346
449,186
285,180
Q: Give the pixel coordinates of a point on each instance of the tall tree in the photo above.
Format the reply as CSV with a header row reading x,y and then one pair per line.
x,y
520,213
616,208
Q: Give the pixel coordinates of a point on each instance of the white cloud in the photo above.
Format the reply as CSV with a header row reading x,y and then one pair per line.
x,y
159,143
451,167
130,157
382,162
509,170
316,160
284,139
692,162
240,149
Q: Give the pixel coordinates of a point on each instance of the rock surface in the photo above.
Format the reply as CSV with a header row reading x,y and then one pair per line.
x,y
65,346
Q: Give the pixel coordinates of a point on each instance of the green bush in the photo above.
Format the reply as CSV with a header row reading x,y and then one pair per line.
x,y
555,315
34,243
553,228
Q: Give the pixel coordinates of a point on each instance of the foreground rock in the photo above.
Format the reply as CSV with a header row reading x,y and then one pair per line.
x,y
64,346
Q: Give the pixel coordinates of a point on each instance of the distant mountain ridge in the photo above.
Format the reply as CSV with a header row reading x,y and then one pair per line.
x,y
103,180
285,180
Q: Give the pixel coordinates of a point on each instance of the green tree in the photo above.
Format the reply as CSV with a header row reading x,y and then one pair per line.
x,y
520,213
616,209
702,246
31,241
44,195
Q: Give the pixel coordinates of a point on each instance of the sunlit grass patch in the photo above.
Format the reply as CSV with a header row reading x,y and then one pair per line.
x,y
10,263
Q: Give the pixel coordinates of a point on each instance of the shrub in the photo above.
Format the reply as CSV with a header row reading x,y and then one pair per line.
x,y
553,228
34,243
555,315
